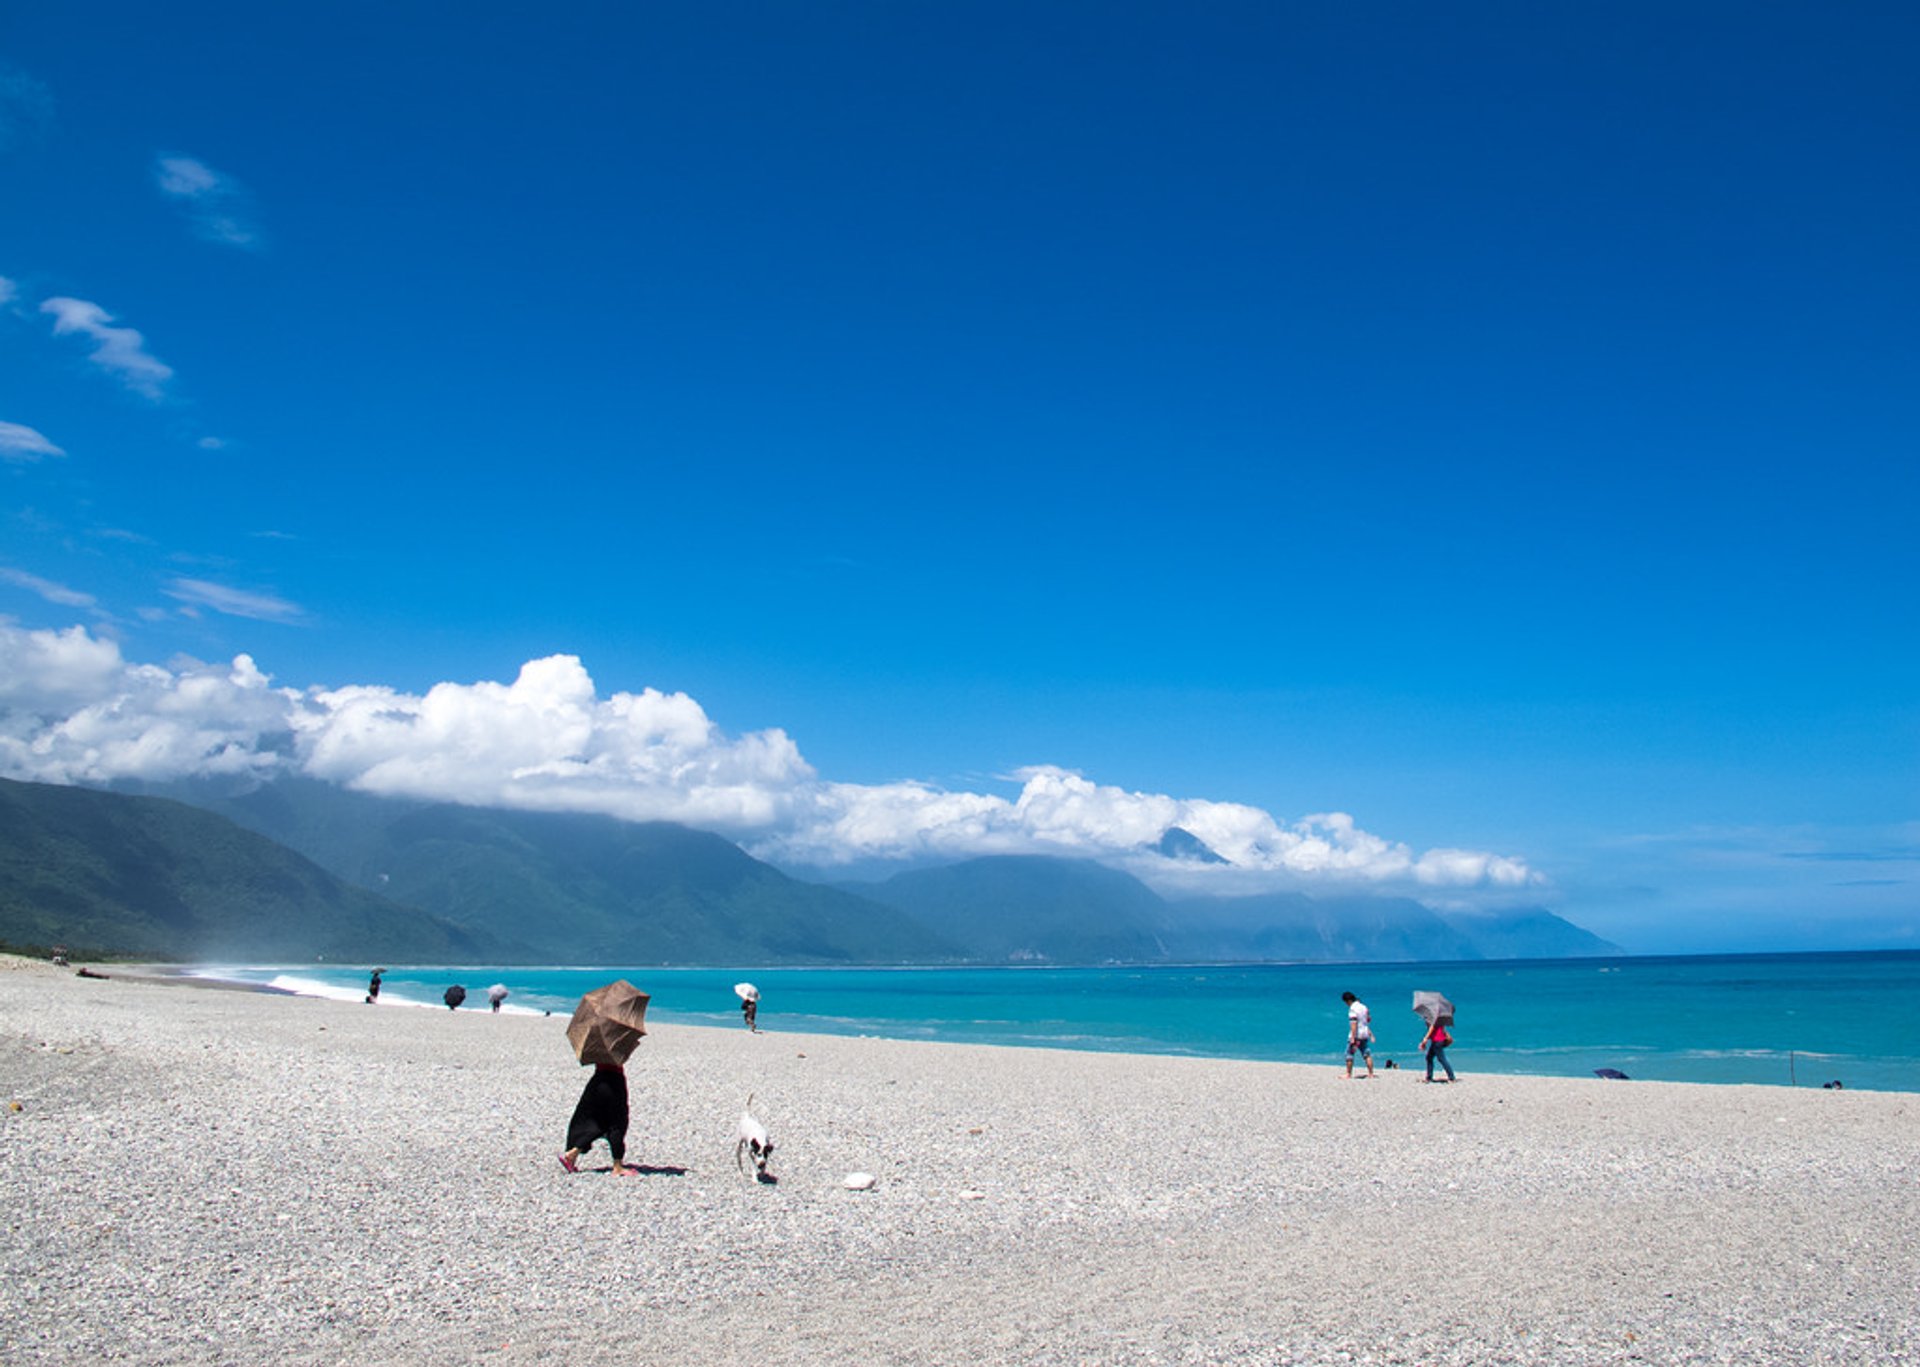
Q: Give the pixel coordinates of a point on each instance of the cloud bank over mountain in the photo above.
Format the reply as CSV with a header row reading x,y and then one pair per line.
x,y
74,710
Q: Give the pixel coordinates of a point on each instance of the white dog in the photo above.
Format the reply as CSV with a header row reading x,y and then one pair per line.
x,y
752,1140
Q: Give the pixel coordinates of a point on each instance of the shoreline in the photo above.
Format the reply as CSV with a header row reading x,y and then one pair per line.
x,y
1506,1047
177,975
219,1176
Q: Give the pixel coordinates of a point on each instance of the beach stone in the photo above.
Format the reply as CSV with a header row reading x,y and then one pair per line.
x,y
204,1180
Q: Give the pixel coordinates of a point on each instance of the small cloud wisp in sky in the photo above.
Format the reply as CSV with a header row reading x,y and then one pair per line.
x,y
217,206
72,710
261,607
120,351
47,589
21,443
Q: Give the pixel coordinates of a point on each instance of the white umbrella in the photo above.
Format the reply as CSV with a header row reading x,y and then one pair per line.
x,y
747,992
497,993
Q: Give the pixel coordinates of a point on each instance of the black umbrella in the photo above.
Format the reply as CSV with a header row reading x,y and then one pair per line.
x,y
455,995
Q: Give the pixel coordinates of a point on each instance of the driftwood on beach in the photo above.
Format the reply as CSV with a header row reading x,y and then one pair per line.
x,y
232,1177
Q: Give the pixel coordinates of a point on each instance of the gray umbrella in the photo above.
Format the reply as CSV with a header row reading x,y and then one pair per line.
x,y
1433,1008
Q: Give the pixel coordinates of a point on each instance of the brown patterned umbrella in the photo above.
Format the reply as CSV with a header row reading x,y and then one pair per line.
x,y
608,1023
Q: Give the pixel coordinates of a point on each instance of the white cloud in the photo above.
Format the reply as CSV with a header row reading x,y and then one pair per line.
x,y
21,443
261,607
73,711
1060,812
121,351
8,290
217,206
185,178
47,589
1457,868
549,741
48,674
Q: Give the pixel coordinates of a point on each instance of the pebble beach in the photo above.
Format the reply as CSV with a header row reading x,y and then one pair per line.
x,y
197,1176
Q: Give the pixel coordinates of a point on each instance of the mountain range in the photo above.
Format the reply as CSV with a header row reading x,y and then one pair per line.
x,y
299,869
147,877
1039,909
565,887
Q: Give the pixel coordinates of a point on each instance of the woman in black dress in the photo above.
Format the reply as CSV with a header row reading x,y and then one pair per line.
x,y
600,1114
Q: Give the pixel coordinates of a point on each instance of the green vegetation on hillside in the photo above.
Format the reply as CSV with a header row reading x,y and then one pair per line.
x,y
421,881
106,874
569,887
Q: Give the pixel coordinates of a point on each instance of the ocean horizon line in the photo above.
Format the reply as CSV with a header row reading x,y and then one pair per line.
x,y
1731,1018
736,966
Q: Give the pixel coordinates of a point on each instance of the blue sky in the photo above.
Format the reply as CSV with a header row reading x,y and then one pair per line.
x,y
1495,423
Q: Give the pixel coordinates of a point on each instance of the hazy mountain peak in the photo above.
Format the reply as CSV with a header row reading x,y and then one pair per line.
x,y
1182,844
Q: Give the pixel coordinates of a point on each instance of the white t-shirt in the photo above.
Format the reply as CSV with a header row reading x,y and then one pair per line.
x,y
1362,1019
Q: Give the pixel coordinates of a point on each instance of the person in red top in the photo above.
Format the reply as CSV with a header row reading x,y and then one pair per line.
x,y
1435,1043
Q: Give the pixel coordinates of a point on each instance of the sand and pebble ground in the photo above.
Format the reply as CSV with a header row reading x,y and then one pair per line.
x,y
238,1177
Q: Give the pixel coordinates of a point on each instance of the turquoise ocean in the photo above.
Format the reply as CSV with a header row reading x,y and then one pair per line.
x,y
1779,1019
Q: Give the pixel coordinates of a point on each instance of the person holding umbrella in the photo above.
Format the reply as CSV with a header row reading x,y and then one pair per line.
x,y
1437,1012
600,1113
606,1028
749,1005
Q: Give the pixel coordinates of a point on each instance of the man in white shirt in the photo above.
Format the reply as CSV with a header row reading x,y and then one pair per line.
x,y
1359,1032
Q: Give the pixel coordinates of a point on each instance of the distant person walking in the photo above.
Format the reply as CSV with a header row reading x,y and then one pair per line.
x,y
1435,1043
373,986
454,996
601,1113
1359,1032
495,995
749,1005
